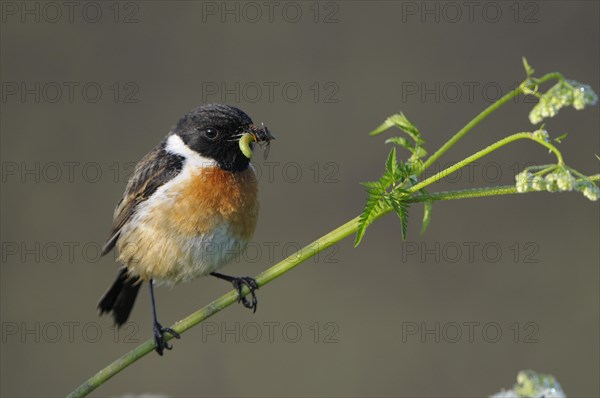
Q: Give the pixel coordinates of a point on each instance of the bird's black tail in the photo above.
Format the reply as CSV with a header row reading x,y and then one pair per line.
x,y
119,299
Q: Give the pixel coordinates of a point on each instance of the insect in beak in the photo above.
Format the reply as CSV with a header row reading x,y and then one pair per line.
x,y
260,135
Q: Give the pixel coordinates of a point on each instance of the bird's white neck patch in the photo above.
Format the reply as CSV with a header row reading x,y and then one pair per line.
x,y
175,145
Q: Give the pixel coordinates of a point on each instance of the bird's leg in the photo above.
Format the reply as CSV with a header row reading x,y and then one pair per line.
x,y
238,283
158,329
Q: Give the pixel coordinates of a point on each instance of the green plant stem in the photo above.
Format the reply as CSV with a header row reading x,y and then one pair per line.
x,y
477,155
485,113
464,194
543,169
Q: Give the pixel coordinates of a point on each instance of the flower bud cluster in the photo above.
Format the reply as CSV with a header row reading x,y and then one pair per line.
x,y
564,93
559,180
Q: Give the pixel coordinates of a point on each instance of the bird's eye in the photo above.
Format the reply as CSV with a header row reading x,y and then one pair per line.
x,y
210,132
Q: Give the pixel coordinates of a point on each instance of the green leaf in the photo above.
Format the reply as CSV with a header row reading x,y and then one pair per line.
x,y
367,216
528,69
561,138
373,188
403,142
401,210
382,127
401,121
396,175
391,163
393,171
427,206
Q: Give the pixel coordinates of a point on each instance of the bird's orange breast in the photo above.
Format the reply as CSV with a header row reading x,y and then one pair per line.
x,y
211,197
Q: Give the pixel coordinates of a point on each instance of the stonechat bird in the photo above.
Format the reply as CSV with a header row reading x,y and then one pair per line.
x,y
189,208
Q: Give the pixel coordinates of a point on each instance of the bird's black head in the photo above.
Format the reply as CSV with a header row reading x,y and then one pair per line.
x,y
213,131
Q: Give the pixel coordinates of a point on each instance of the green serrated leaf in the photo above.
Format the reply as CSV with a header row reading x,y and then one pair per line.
x,y
394,172
402,122
427,206
360,232
561,138
528,69
373,186
402,142
395,176
416,150
391,164
401,210
382,127
367,217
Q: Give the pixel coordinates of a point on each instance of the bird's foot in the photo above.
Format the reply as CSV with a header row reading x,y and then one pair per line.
x,y
239,283
159,338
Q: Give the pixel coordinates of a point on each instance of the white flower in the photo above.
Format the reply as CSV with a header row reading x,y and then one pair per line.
x,y
563,93
582,95
591,192
565,181
538,183
523,180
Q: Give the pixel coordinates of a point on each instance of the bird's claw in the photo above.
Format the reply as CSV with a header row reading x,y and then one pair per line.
x,y
159,338
239,283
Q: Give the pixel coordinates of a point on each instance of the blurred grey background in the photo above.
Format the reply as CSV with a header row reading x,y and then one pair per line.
x,y
494,286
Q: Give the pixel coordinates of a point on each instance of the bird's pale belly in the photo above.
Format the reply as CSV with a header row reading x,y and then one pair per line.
x,y
191,228
169,258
